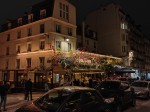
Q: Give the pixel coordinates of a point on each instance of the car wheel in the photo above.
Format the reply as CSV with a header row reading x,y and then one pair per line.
x,y
147,96
118,108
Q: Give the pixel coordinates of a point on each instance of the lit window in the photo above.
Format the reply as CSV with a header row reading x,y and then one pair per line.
x,y
58,44
123,26
69,47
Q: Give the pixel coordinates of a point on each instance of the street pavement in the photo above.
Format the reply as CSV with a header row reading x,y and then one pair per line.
x,y
16,100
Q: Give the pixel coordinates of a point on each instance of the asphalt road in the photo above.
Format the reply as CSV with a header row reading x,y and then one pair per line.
x,y
17,100
141,106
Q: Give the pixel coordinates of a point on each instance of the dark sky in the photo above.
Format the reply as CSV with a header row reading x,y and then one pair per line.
x,y
137,9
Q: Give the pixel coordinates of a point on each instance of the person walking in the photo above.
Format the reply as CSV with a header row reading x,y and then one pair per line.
x,y
28,89
3,93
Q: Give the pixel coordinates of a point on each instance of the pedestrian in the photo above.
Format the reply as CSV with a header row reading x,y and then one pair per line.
x,y
46,86
25,91
28,89
3,93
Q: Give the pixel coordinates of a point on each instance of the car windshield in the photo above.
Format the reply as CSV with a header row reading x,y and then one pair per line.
x,y
52,100
140,84
110,85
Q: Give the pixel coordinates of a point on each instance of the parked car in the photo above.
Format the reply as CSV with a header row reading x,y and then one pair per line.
x,y
126,79
70,99
142,89
122,92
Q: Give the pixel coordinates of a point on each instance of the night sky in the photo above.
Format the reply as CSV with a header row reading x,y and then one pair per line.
x,y
137,9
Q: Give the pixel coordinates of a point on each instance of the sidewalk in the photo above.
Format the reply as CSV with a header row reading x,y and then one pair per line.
x,y
16,100
18,97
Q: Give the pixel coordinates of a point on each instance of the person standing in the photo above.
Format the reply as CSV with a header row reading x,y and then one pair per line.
x,y
46,86
28,89
3,92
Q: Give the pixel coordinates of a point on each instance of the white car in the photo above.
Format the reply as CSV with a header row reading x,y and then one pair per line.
x,y
142,89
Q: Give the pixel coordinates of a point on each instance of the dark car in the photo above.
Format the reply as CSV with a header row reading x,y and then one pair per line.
x,y
70,99
122,92
142,89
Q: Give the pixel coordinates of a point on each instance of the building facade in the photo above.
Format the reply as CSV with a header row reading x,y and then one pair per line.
x,y
30,42
87,39
119,36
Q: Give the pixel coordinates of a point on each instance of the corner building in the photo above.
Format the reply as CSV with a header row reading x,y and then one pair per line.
x,y
28,43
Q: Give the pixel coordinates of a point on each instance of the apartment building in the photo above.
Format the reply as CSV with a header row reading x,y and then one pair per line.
x,y
119,36
30,42
86,39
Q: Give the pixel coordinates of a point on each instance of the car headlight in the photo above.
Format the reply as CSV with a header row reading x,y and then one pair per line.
x,y
109,100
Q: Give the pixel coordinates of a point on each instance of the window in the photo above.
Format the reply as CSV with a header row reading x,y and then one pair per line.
x,y
8,37
28,47
42,28
123,48
28,62
42,44
9,25
124,26
60,6
69,30
64,11
7,51
19,21
17,63
42,60
29,31
30,18
42,13
69,47
58,45
18,49
7,63
19,34
67,12
58,28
